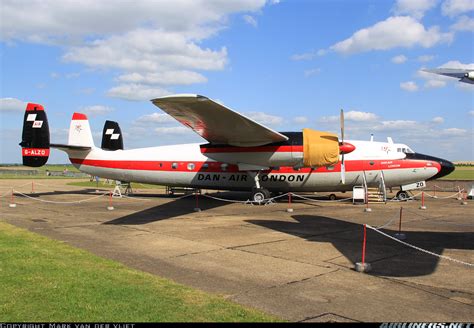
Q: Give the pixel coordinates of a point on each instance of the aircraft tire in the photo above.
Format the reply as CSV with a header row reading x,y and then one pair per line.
x,y
332,197
402,195
259,195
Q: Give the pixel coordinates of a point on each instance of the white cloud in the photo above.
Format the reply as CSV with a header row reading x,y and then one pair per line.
x,y
409,86
164,78
464,23
174,130
433,84
72,75
308,55
12,105
154,118
415,8
471,113
394,32
456,7
137,92
54,75
150,42
437,120
250,20
300,120
400,59
264,118
311,72
457,65
97,110
395,125
73,20
353,115
453,132
425,58
147,50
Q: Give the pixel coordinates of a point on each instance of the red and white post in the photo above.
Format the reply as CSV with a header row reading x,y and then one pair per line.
x,y
363,266
422,207
289,209
197,208
12,199
464,198
399,235
110,207
367,208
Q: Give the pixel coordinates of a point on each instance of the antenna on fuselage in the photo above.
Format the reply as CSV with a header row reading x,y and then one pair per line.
x,y
371,137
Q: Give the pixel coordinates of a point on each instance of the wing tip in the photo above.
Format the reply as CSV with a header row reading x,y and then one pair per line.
x,y
179,96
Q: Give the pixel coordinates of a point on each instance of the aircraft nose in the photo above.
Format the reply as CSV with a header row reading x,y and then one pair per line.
x,y
446,168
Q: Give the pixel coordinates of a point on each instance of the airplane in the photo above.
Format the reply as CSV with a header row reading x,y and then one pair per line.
x,y
465,75
240,154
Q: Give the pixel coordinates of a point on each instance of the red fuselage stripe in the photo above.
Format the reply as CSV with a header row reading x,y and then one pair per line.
x,y
189,166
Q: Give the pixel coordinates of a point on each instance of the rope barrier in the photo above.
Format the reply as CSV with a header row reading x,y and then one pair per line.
x,y
319,200
447,189
445,197
55,202
20,186
420,249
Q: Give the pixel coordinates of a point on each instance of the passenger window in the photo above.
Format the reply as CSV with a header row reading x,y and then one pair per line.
x,y
224,167
191,166
174,166
205,166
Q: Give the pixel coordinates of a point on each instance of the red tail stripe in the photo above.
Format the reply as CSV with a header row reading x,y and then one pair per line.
x,y
32,107
79,116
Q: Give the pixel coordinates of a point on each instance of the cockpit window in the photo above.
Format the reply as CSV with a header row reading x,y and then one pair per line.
x,y
405,150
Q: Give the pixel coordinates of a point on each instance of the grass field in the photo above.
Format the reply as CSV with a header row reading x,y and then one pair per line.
x,y
461,173
46,280
16,171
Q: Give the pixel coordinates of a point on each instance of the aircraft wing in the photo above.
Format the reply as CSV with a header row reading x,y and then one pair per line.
x,y
452,72
217,123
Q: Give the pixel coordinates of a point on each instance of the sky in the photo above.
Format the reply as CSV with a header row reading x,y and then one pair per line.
x,y
287,64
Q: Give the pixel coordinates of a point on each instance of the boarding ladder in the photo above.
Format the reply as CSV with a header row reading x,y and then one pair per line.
x,y
376,194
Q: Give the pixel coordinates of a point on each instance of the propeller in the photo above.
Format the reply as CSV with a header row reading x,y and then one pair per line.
x,y
341,143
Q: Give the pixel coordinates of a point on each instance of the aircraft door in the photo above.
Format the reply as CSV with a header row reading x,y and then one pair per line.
x,y
372,170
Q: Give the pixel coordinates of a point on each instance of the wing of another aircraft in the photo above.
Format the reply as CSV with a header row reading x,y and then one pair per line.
x,y
217,123
465,75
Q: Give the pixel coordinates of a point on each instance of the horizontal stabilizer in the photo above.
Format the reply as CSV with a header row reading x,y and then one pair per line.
x,y
70,147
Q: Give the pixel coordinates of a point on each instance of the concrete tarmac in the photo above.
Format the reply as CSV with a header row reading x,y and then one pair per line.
x,y
298,266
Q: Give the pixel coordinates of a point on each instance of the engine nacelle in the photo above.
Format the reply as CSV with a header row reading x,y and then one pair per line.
x,y
469,75
317,149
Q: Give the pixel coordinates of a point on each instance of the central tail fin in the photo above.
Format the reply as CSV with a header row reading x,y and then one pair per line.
x,y
80,131
111,136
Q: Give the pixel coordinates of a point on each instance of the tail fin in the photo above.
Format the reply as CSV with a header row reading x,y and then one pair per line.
x,y
80,132
35,136
111,136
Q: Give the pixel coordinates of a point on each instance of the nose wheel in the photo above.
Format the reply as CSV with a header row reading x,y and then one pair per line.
x,y
402,195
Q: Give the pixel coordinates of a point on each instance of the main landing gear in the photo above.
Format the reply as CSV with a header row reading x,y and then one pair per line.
x,y
259,195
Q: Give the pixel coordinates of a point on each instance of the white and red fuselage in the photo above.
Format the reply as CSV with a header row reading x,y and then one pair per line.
x,y
198,166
